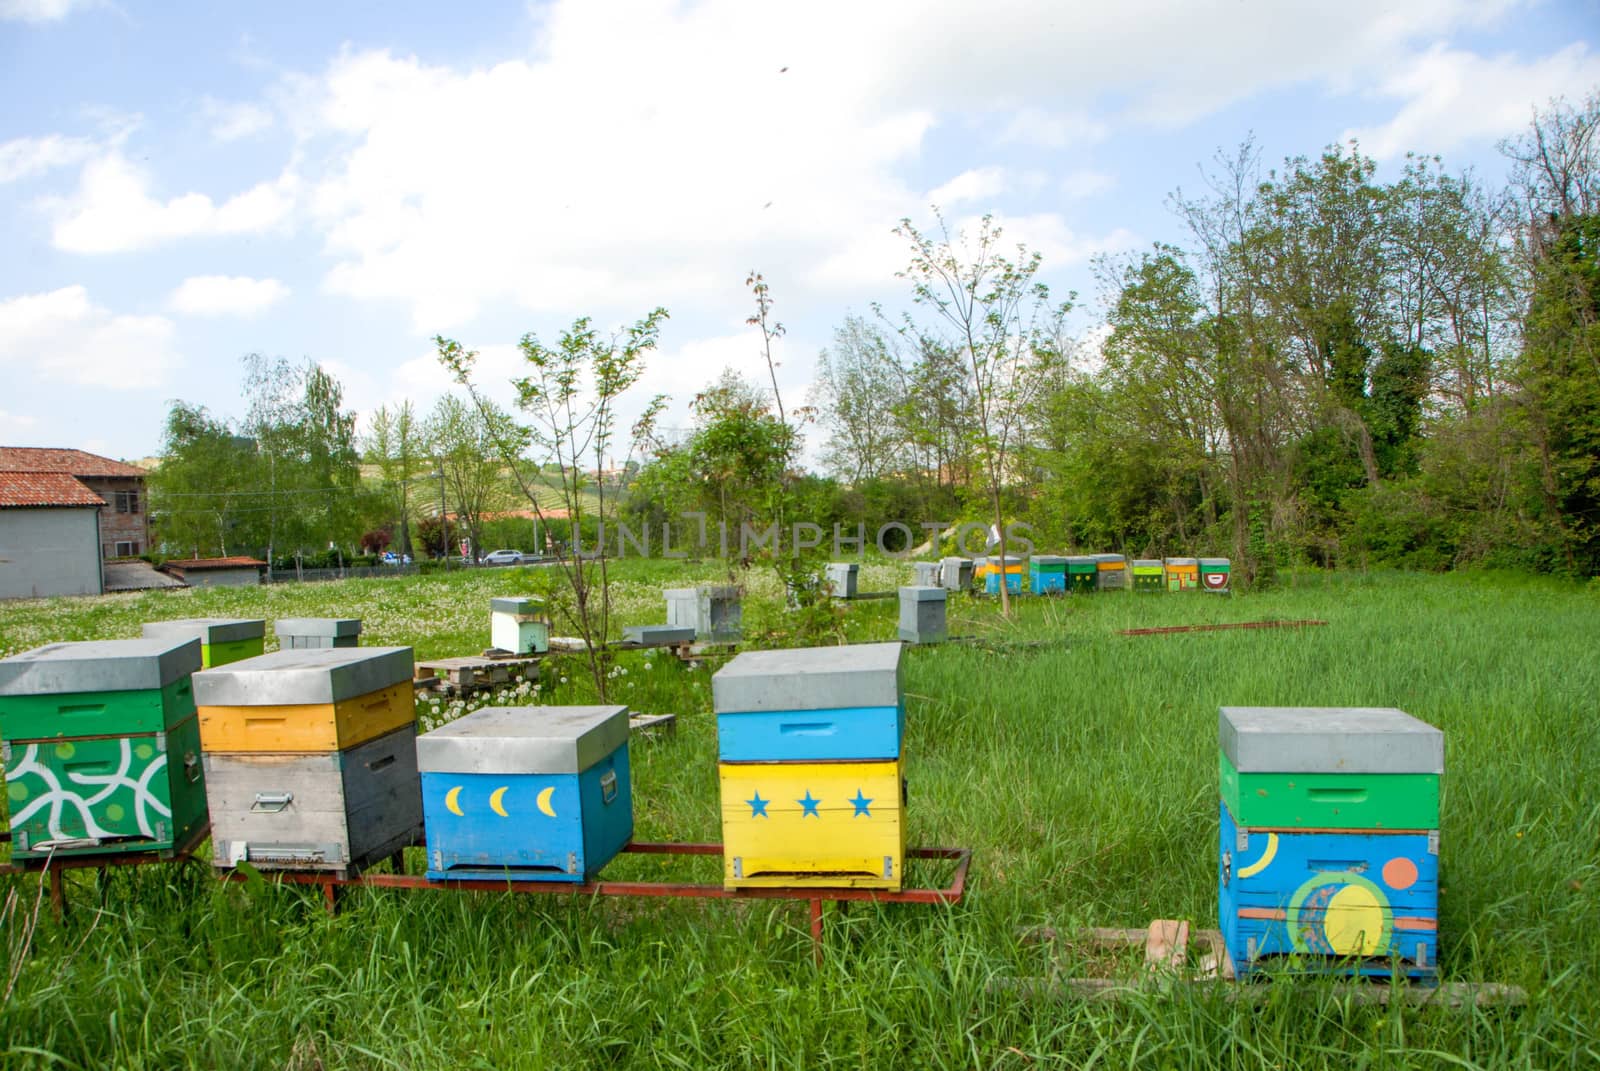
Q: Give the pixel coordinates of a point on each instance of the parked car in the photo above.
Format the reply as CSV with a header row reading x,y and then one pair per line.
x,y
502,557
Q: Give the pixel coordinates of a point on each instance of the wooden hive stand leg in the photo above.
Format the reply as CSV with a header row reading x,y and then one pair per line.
x,y
58,892
330,897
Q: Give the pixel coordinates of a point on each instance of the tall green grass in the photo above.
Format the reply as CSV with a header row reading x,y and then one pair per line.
x,y
1079,764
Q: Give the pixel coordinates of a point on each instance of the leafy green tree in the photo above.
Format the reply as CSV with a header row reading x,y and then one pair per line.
x,y
395,443
200,498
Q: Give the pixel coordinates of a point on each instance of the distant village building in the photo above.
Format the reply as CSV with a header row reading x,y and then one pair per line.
x,y
125,518
49,536
216,572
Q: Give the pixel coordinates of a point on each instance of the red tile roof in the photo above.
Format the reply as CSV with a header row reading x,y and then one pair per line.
x,y
185,564
25,489
71,462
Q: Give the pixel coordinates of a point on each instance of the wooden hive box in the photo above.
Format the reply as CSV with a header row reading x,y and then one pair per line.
x,y
925,574
922,614
713,611
518,625
1082,575
823,824
1013,569
1329,844
101,747
841,578
1183,574
956,573
332,811
527,793
1215,574
810,704
303,701
1148,575
311,633
1047,574
1111,572
222,639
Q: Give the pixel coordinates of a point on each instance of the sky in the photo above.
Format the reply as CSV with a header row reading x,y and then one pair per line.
x,y
183,183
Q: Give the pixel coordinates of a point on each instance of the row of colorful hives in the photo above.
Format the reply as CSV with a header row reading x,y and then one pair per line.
x,y
310,760
1087,573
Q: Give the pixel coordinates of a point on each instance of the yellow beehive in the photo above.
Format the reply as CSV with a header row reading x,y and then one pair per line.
x,y
308,727
812,824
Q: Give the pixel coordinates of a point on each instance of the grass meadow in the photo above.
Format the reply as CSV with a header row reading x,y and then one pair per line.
x,y
1078,763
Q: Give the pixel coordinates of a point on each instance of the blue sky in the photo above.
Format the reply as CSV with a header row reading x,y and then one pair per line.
x,y
184,183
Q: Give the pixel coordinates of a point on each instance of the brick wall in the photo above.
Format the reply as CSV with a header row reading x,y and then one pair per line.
x,y
125,518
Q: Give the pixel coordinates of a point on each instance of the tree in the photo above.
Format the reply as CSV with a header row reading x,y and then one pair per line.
x,y
1002,322
570,394
859,395
466,443
200,497
395,443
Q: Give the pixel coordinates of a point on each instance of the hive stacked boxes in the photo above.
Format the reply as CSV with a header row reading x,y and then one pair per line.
x,y
527,793
1183,574
1047,574
1148,576
314,633
809,742
1329,838
713,611
922,614
310,758
841,578
517,625
1215,574
102,747
1081,574
955,574
1012,568
925,574
1111,572
222,639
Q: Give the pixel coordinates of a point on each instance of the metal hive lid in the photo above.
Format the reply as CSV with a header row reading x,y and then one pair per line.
x,y
207,630
809,678
99,666
1328,740
517,604
318,626
1213,561
1049,559
303,677
1183,561
524,740
918,593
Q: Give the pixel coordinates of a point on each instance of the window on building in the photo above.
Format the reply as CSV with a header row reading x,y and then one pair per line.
x,y
128,549
127,501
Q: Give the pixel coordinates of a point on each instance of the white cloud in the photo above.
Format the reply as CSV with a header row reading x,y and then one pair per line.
x,y
979,184
39,10
1453,96
16,427
227,295
233,120
61,335
23,158
113,211
1076,185
1031,126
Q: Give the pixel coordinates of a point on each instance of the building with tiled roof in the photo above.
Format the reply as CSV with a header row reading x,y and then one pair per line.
x,y
124,518
216,572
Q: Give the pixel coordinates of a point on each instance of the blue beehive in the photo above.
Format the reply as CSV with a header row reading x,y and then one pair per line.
x,y
1358,897
818,704
1047,574
527,793
1011,568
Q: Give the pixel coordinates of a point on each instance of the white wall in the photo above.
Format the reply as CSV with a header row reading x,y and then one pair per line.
x,y
49,552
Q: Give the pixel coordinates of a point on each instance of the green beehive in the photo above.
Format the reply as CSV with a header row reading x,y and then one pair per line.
x,y
1215,575
1082,575
222,639
1149,575
102,747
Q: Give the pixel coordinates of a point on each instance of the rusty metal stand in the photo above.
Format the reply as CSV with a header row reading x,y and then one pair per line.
x,y
951,894
53,868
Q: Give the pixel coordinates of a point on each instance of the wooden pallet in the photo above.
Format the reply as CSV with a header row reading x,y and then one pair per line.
x,y
653,724
1167,943
466,675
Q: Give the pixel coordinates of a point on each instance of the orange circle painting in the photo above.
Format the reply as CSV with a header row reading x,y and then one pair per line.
x,y
1400,873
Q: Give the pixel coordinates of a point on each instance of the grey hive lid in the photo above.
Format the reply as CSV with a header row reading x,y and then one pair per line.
x,y
1108,557
303,677
922,593
680,593
519,604
1049,559
1329,740
99,666
318,626
809,678
1213,561
207,630
955,561
524,740
1183,561
1147,563
1080,559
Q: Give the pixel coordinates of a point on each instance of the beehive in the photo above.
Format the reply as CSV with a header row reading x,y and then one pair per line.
x,y
1183,574
1082,575
1111,572
1012,568
841,578
518,625
809,742
922,614
311,633
311,757
101,747
925,574
955,574
713,611
1148,575
222,639
1329,838
1215,574
527,793
1047,574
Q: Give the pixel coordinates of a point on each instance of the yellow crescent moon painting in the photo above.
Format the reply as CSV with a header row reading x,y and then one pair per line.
x,y
544,801
452,801
496,803
1266,858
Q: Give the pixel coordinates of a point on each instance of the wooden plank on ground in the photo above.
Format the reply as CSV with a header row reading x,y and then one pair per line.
x,y
1167,944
